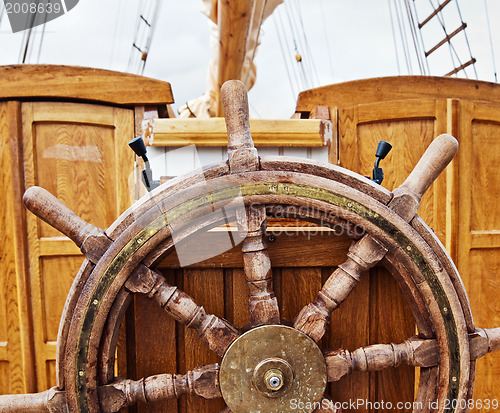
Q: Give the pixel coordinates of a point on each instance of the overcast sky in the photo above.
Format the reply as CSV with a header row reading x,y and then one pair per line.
x,y
346,40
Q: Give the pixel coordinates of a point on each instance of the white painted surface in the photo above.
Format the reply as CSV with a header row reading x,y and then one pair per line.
x,y
173,161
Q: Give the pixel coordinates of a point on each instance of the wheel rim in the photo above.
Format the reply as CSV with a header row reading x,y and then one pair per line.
x,y
380,221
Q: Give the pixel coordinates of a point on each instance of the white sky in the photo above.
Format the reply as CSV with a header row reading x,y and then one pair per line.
x,y
347,40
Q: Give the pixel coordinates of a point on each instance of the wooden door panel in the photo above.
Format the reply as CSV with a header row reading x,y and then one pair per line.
x,y
63,151
410,126
479,228
79,153
57,274
207,289
485,175
16,362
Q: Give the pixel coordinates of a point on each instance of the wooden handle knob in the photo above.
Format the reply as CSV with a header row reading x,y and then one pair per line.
x,y
493,335
48,208
235,105
437,156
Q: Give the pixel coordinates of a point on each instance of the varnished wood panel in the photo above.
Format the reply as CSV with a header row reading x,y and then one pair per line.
x,y
73,82
349,329
57,274
485,176
478,226
285,248
236,297
16,357
409,138
4,377
265,132
410,126
393,385
63,151
207,289
299,287
155,345
79,153
483,295
401,88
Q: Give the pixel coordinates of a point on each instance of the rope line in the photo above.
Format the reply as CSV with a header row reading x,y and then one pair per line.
x,y
275,19
421,37
394,37
328,50
404,42
414,37
254,51
466,37
491,40
294,69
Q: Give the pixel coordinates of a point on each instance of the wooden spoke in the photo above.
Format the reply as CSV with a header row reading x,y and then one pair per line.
x,y
362,255
406,198
91,240
217,333
414,352
484,341
202,382
262,303
52,400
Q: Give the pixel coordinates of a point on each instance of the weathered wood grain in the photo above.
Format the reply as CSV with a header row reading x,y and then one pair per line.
x,y
82,83
265,132
396,88
262,303
16,351
73,150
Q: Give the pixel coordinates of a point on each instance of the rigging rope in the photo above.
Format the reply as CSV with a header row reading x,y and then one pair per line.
x,y
394,37
404,41
297,53
438,13
421,38
414,37
440,18
491,40
327,42
295,69
118,19
466,38
254,51
275,19
145,28
310,60
296,76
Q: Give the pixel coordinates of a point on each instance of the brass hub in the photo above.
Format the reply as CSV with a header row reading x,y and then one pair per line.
x,y
270,369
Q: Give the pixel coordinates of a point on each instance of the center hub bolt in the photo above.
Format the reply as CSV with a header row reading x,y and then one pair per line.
x,y
274,379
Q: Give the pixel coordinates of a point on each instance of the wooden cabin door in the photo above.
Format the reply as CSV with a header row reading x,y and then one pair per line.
x,y
477,192
79,153
410,126
462,205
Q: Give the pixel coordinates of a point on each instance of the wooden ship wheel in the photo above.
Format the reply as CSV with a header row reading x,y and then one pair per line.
x,y
272,364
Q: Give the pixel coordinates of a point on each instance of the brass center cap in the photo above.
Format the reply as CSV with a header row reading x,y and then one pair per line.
x,y
270,369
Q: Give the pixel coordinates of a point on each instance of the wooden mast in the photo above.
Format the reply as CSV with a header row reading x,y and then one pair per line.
x,y
234,20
